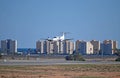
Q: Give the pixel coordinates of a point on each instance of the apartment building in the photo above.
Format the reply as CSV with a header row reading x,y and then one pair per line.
x,y
9,46
96,46
84,47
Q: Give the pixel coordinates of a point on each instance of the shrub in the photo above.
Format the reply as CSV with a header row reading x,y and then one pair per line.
x,y
78,57
118,54
118,59
75,57
0,56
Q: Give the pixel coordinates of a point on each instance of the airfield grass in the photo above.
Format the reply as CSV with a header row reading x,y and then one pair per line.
x,y
61,71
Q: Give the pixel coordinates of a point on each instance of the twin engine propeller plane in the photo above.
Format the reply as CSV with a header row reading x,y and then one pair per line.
x,y
58,38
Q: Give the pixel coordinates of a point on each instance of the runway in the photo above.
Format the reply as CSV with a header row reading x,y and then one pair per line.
x,y
52,62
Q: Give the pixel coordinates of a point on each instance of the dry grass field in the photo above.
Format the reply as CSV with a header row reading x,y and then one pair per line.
x,y
61,71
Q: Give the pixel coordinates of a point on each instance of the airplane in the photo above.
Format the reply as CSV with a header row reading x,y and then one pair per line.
x,y
57,38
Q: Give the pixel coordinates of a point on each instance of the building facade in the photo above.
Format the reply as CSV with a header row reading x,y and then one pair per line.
x,y
39,46
96,46
68,47
108,47
55,47
9,46
84,47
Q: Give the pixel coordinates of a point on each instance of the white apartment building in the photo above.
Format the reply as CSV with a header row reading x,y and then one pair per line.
x,y
55,47
9,46
84,47
108,47
96,46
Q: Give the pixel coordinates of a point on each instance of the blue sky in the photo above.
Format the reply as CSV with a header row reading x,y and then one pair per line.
x,y
29,20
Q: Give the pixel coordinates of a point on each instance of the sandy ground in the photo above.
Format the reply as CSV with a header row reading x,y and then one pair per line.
x,y
61,71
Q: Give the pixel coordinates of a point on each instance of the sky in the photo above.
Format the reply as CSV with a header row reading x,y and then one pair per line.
x,y
30,20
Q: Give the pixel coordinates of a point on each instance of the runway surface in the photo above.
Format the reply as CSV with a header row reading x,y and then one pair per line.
x,y
52,62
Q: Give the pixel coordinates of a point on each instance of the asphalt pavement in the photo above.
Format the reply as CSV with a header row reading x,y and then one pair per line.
x,y
51,62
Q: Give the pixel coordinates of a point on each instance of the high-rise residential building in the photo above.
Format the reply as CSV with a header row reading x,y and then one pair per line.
x,y
9,46
84,47
115,46
71,47
4,46
51,47
55,46
60,47
47,47
89,48
96,46
77,45
108,47
43,47
68,47
40,46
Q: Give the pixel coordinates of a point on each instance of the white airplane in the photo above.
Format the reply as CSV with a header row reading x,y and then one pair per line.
x,y
59,37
